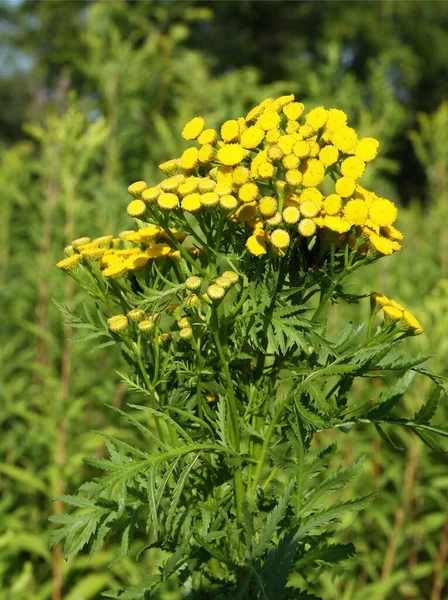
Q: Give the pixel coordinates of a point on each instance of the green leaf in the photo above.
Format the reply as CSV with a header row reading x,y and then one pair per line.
x,y
429,409
389,400
326,554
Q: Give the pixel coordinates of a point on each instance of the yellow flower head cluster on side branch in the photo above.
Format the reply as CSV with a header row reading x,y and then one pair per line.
x,y
395,314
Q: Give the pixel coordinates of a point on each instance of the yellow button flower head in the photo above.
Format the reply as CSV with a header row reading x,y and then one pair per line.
x,y
268,206
345,139
137,261
367,149
136,315
280,102
82,241
208,136
266,170
158,250
230,131
392,314
280,239
272,136
228,202
275,220
313,173
136,208
312,194
294,177
336,119
151,194
308,209
332,204
383,212
189,158
257,110
252,137
353,167
206,154
136,189
69,263
169,185
329,155
294,110
231,276
306,131
246,212
317,117
378,301
118,323
193,283
391,233
381,244
240,175
206,185
146,326
231,154
275,153
292,127
193,128
223,189
116,270
170,167
167,201
412,322
356,212
248,192
345,186
256,245
336,224
291,215
209,200
187,188
286,143
307,227
215,292
290,161
186,333
301,149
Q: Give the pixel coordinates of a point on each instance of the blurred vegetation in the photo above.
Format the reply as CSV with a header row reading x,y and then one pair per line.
x,y
91,95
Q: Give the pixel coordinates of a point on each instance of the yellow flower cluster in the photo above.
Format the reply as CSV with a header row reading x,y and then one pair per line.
x,y
396,314
266,170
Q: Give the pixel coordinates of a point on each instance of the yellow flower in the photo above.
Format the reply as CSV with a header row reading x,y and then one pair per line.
x,y
223,189
215,292
191,202
314,148
136,189
275,153
272,136
231,276
355,212
187,188
294,177
136,315
275,220
294,110
169,185
336,224
281,101
230,130
257,110
307,227
206,185
280,239
291,215
412,322
329,155
367,149
241,175
186,333
306,131
248,192
313,173
206,154
246,212
381,244
256,245
336,119
345,139
170,166
292,127
146,326
378,301
151,194
228,202
392,314
184,322
390,232
252,137
193,283
193,128
82,241
137,261
383,212
69,263
352,167
116,270
158,250
286,143
332,204
345,186
312,194
290,161
209,200
118,323
136,208
92,253
308,209
189,158
266,170
208,136
267,206
147,233
317,117
167,201
231,154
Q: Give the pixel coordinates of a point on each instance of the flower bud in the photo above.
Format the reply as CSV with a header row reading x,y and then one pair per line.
x,y
118,323
215,292
186,333
80,241
146,326
184,322
224,282
193,283
69,263
165,338
232,276
136,189
136,315
192,300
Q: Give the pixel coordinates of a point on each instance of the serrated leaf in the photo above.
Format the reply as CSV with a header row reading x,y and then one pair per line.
x,y
429,409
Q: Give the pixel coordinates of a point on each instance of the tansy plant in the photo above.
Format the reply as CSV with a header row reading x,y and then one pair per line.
x,y
216,298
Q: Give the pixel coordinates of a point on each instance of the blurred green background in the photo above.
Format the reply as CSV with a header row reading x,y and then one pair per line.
x,y
93,95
